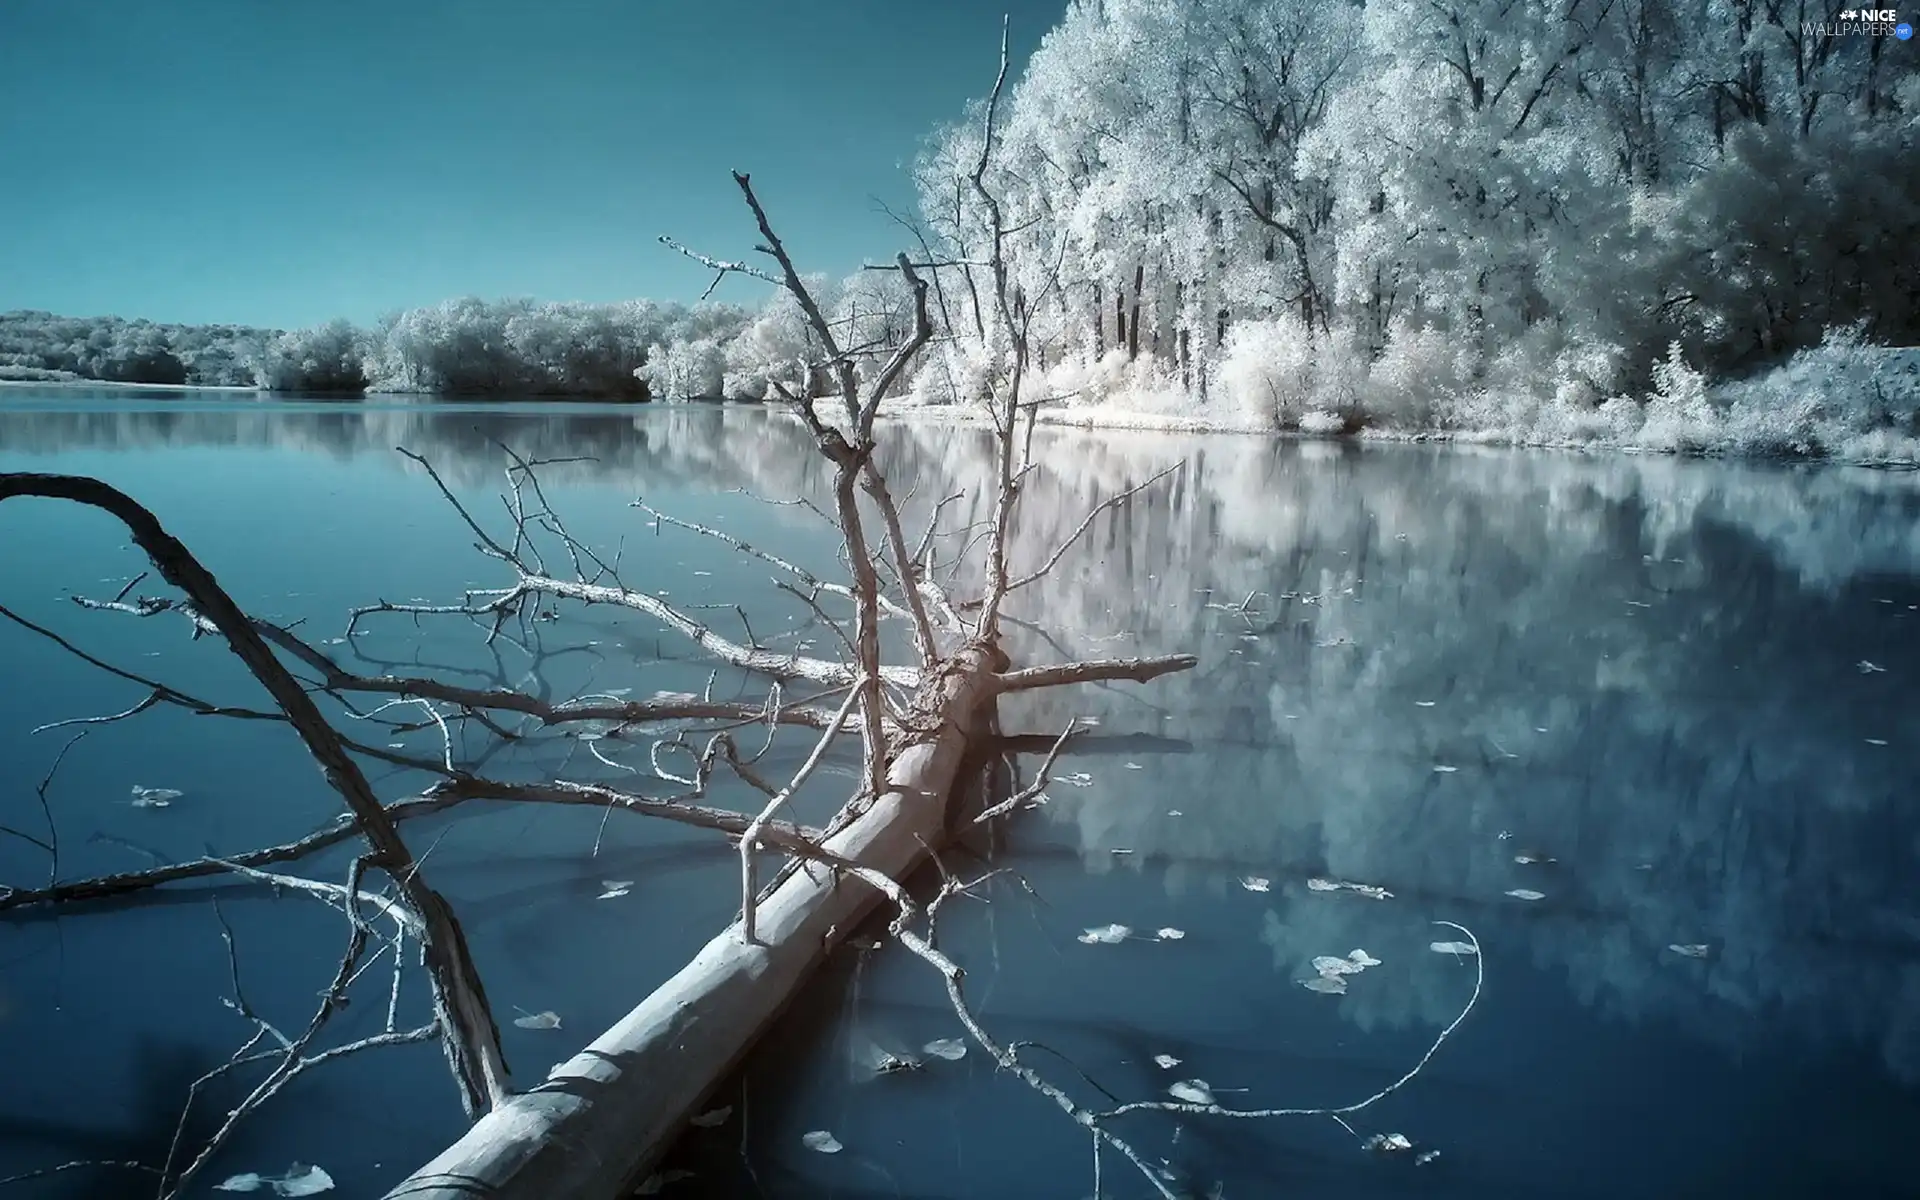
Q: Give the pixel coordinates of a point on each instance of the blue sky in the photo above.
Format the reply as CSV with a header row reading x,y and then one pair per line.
x,y
281,162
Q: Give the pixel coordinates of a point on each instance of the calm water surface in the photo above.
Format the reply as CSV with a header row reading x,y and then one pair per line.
x,y
1684,688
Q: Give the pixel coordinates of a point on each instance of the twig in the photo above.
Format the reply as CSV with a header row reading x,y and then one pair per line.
x,y
750,837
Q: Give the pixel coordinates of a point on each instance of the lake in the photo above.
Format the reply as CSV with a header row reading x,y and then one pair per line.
x,y
1671,699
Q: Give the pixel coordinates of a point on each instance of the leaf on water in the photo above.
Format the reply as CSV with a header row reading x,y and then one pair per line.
x,y
303,1181
1169,934
1691,949
822,1141
1529,860
1456,948
660,1179
1423,703
1876,741
1106,935
539,1020
241,1183
1331,985
1370,891
1133,766
1078,779
146,797
1443,769
1174,812
712,1120
951,1049
1332,967
1425,1157
1526,894
616,888
1121,850
1191,1091
1166,1062
1255,883
1869,668
1362,959
1389,1143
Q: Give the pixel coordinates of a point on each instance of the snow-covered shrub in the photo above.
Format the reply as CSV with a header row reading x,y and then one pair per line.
x,y
1678,414
1267,372
325,358
1420,374
685,370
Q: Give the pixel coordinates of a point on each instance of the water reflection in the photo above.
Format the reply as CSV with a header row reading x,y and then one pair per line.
x,y
1686,684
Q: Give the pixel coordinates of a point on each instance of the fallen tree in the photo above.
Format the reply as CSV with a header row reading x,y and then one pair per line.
x,y
600,1122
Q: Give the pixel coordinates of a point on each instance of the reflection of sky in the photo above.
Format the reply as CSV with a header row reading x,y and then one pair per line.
x,y
1645,669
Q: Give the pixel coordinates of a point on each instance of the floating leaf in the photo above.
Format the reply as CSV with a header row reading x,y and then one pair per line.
x,y
1691,949
951,1049
712,1120
1529,860
303,1181
1876,741
1526,894
1174,812
1192,1091
539,1020
1106,935
1457,948
1166,1062
1424,703
1332,967
1332,985
1133,766
241,1183
822,1141
1368,890
146,797
1255,883
1869,668
1169,934
1425,1157
616,888
1389,1143
1078,779
1443,769
1362,958
1121,850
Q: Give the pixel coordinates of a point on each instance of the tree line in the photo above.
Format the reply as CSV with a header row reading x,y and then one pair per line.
x,y
1409,212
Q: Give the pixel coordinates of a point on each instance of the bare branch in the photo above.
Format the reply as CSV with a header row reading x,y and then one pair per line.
x,y
1139,670
1113,501
750,837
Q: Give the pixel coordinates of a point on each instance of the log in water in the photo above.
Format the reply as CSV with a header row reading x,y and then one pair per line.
x,y
602,1120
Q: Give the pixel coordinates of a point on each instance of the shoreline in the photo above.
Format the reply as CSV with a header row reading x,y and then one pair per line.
x,y
1103,418
123,386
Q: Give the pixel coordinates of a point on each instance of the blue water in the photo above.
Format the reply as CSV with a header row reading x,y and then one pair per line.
x,y
1688,683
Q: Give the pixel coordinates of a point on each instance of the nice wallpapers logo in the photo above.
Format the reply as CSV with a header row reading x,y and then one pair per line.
x,y
1870,22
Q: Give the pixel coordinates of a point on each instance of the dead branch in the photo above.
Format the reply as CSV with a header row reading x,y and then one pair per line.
x,y
438,799
1040,780
750,837
1139,670
1113,501
471,1040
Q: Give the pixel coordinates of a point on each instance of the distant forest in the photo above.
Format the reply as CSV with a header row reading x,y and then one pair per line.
x,y
1411,213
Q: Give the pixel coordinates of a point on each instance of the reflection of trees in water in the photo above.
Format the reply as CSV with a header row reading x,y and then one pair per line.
x,y
1685,633
1682,633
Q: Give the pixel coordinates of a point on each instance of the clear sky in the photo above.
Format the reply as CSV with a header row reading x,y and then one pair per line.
x,y
281,162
